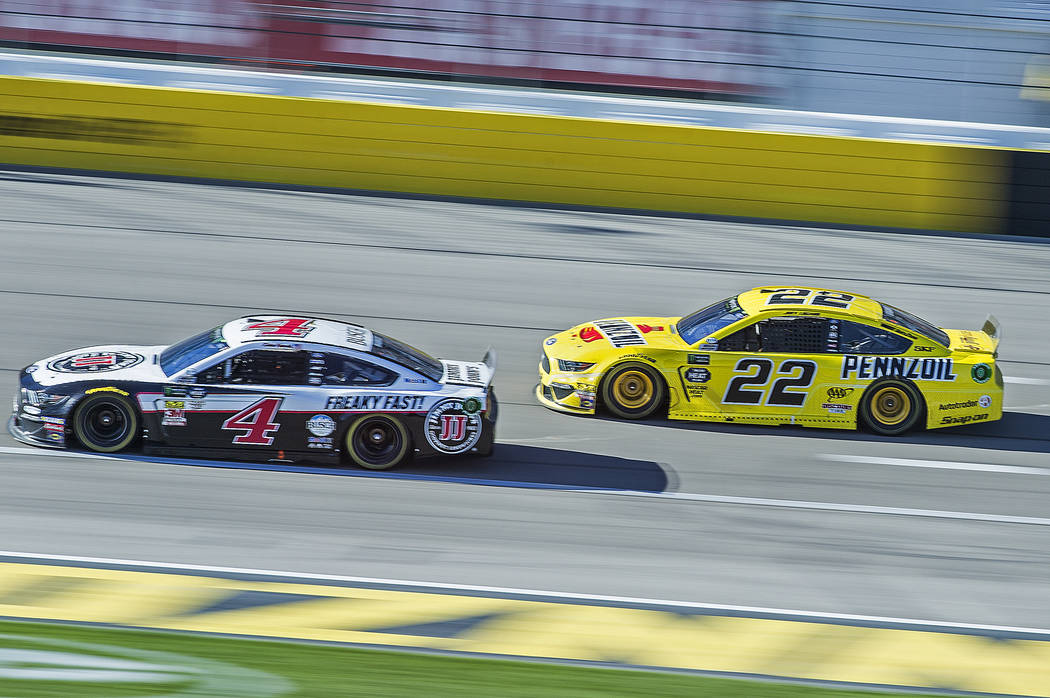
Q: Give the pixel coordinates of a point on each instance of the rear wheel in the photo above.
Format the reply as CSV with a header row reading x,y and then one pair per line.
x,y
105,423
891,407
633,391
377,442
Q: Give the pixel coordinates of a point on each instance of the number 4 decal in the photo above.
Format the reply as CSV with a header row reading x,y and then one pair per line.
x,y
781,394
256,421
285,327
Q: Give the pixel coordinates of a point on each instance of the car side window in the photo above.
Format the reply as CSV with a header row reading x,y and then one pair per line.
x,y
267,368
744,339
351,371
856,338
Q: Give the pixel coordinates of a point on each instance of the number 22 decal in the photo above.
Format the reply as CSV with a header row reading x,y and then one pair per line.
x,y
802,296
256,420
797,374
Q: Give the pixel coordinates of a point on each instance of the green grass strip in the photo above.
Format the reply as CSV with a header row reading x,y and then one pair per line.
x,y
331,672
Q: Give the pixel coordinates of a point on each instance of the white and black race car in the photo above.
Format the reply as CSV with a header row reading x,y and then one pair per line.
x,y
262,387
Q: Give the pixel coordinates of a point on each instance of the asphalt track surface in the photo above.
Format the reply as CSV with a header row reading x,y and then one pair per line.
x,y
950,526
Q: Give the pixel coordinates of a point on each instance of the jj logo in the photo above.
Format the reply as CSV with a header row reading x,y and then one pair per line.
x,y
453,427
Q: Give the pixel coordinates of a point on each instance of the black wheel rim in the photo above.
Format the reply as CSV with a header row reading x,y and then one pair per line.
x,y
377,441
106,424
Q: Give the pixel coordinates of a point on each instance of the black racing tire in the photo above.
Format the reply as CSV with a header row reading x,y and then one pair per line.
x,y
377,442
633,391
891,406
106,423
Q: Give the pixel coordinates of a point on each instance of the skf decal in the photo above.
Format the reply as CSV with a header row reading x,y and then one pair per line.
x,y
398,403
869,367
621,333
107,389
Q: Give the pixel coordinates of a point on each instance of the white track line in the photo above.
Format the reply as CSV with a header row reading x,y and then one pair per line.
x,y
946,465
442,586
1026,381
680,496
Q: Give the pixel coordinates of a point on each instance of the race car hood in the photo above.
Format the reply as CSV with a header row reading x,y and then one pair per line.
x,y
118,362
618,333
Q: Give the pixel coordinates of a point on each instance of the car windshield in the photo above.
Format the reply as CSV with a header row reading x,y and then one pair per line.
x,y
915,324
700,324
190,351
407,356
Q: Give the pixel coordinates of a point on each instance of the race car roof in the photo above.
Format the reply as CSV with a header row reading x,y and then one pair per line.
x,y
293,328
809,298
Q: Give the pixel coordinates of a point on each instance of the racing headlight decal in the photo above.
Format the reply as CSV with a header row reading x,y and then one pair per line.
x,y
39,398
573,366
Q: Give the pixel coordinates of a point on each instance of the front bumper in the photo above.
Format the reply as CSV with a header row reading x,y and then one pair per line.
x,y
35,432
557,392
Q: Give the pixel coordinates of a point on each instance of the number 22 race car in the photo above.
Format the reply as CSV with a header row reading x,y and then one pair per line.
x,y
804,356
280,388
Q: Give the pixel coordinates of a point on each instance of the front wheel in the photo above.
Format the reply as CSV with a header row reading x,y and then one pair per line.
x,y
105,423
633,391
377,442
891,407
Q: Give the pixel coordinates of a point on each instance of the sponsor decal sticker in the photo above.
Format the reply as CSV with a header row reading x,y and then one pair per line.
x,y
451,429
95,362
375,403
985,401
871,367
415,380
981,373
965,419
472,405
320,425
550,341
836,393
107,389
697,375
174,418
174,391
174,404
357,336
319,442
836,407
699,359
590,334
197,392
646,329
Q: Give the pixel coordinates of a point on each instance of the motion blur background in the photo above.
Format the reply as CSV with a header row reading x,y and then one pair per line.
x,y
965,60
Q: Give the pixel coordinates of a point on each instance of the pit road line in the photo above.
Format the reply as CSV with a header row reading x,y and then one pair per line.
x,y
946,465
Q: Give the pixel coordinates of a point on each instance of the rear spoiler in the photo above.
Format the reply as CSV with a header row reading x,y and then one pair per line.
x,y
994,330
490,358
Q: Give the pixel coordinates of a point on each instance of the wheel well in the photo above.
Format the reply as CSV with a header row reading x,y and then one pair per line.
x,y
862,403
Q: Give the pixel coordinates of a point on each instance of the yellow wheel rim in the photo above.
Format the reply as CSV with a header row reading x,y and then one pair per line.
x,y
633,389
890,405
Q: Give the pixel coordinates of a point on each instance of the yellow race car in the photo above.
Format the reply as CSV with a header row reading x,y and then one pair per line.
x,y
806,356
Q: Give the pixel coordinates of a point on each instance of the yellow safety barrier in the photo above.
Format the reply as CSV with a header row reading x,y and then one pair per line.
x,y
636,636
548,159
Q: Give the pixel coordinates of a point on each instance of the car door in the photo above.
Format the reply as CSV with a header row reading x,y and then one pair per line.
x,y
244,401
771,369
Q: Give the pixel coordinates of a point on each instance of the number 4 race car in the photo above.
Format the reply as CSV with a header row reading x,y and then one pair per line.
x,y
283,388
803,356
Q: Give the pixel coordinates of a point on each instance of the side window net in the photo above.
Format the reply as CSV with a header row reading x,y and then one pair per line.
x,y
796,335
268,368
